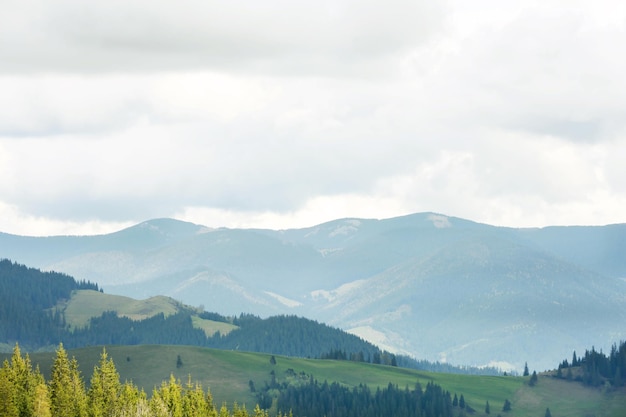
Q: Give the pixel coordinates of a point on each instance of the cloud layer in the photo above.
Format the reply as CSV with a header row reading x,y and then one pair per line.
x,y
287,114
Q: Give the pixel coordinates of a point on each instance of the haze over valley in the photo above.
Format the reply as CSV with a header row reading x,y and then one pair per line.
x,y
427,285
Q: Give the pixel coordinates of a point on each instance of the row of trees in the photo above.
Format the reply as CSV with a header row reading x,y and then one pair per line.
x,y
304,395
595,368
25,393
316,399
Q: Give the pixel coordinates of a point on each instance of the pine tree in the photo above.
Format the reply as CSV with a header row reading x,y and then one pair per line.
x,y
169,395
487,410
67,391
533,379
526,373
131,401
24,381
41,401
105,388
507,405
548,413
61,402
195,403
462,401
8,406
455,401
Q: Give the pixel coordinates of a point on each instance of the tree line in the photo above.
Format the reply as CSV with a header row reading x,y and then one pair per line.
x,y
596,368
319,399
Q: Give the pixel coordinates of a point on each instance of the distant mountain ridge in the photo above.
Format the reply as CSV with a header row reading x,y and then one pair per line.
x,y
436,287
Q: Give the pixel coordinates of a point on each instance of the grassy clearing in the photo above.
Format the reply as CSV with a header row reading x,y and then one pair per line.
x,y
86,304
211,327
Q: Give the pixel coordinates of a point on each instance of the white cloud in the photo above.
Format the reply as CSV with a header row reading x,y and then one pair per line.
x,y
286,114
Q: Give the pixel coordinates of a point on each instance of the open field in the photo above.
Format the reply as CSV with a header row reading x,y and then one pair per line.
x,y
86,304
227,374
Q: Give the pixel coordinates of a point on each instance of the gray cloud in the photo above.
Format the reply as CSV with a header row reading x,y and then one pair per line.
x,y
273,37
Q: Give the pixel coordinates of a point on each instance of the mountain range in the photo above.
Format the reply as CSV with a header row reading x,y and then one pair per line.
x,y
428,285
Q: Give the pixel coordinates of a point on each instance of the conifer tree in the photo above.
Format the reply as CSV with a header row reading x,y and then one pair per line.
x,y
8,406
195,403
526,373
487,409
131,401
105,388
78,389
507,405
41,401
224,411
24,381
171,396
67,391
548,413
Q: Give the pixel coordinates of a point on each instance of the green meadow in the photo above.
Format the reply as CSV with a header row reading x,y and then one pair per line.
x,y
228,374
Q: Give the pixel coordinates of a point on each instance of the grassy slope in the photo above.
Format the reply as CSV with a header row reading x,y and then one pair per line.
x,y
227,373
85,304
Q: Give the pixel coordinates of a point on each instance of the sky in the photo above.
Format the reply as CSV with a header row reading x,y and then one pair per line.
x,y
282,113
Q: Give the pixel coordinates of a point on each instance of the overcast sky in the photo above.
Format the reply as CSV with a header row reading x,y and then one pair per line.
x,y
282,113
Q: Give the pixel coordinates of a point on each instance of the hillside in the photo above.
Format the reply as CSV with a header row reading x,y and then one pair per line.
x,y
60,312
228,374
429,285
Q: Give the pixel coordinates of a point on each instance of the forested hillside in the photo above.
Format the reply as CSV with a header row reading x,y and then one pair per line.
x,y
28,315
27,296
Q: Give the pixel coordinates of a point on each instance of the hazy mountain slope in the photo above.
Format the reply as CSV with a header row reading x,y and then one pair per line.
x,y
426,284
476,296
602,249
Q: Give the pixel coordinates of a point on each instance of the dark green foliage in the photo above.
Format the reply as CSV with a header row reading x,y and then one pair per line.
x,y
291,336
487,409
315,399
597,367
109,329
533,379
507,405
526,373
179,362
548,413
26,295
214,316
404,361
